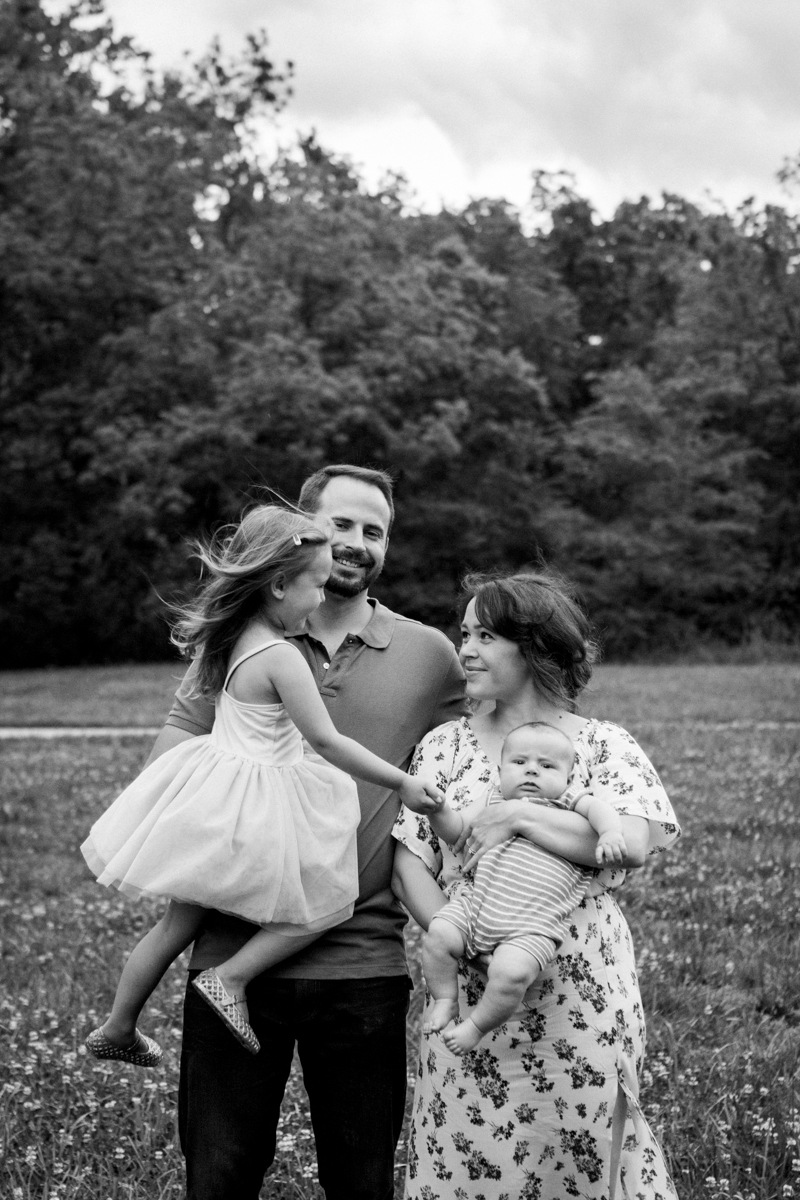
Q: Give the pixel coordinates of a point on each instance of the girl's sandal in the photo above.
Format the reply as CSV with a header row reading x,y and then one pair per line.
x,y
209,985
142,1052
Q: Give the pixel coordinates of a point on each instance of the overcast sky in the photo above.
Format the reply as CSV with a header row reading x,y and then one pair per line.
x,y
467,97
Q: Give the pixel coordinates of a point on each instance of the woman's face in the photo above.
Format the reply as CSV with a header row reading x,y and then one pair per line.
x,y
494,666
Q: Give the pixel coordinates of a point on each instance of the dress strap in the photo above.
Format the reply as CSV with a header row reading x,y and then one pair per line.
x,y
249,654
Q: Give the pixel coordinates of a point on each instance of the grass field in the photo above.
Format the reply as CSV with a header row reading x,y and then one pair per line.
x,y
140,694
716,925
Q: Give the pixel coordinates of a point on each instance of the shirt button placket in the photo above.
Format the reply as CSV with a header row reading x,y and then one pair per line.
x,y
338,665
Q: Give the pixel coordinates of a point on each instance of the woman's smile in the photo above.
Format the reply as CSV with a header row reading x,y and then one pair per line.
x,y
493,665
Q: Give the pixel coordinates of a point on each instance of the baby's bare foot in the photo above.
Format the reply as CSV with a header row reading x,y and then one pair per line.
x,y
463,1037
442,1013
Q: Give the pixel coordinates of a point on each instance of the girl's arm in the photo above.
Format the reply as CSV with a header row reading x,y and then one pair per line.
x,y
415,887
564,833
289,674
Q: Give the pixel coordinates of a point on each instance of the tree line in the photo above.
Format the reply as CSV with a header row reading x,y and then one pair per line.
x,y
185,326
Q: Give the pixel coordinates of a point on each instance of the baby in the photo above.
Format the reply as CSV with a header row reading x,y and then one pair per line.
x,y
522,893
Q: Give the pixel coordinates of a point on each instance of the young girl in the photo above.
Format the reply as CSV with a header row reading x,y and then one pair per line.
x,y
522,894
245,820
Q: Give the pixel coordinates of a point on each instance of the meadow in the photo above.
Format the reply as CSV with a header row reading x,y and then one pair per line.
x,y
715,922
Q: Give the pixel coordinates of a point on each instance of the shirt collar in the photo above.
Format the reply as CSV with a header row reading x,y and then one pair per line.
x,y
380,627
378,631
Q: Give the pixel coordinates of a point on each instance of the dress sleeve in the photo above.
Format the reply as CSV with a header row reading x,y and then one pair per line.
x,y
620,773
433,761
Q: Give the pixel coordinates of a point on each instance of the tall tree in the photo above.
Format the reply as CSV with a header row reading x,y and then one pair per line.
x,y
101,167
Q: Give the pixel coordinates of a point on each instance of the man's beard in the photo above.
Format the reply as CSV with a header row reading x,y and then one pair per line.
x,y
352,586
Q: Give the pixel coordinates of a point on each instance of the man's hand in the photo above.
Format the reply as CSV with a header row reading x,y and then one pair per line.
x,y
420,797
611,848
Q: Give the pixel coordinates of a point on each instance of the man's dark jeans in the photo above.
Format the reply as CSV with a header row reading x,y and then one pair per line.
x,y
351,1037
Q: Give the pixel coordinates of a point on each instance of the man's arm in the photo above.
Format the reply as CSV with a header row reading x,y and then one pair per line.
x,y
190,716
451,702
169,737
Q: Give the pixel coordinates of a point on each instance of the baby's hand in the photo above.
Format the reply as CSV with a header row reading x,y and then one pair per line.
x,y
420,797
611,847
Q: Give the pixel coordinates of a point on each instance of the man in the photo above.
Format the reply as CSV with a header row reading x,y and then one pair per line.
x,y
386,681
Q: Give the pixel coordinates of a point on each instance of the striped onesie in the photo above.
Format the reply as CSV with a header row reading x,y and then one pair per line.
x,y
522,895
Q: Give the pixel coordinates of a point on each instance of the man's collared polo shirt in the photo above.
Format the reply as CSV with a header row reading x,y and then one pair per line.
x,y
386,687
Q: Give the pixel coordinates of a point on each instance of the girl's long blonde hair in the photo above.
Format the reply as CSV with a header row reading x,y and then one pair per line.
x,y
241,562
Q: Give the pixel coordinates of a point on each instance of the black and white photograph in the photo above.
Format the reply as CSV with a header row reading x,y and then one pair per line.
x,y
399,600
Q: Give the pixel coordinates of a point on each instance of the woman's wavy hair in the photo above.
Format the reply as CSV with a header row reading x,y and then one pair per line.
x,y
241,562
539,612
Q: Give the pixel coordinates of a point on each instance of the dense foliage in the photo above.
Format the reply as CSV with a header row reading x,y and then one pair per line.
x,y
183,325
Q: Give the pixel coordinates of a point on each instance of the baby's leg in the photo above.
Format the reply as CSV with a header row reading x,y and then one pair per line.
x,y
148,961
443,946
511,972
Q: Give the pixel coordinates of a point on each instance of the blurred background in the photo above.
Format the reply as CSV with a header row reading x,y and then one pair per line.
x,y
203,296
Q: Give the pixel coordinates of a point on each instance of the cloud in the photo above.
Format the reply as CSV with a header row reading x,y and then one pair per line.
x,y
469,96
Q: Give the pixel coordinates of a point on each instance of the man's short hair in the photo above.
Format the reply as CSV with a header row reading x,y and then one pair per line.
x,y
314,486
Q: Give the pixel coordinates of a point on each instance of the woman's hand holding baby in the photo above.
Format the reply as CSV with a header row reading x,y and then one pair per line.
x,y
489,828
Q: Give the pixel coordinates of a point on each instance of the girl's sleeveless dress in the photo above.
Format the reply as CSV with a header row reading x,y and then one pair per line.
x,y
246,820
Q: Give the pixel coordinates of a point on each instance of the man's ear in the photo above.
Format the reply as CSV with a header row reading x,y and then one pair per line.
x,y
278,586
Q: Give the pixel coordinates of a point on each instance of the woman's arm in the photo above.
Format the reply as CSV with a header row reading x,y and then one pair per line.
x,y
557,830
415,887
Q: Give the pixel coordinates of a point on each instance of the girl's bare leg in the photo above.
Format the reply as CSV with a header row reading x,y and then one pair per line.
x,y
264,949
148,961
442,948
511,973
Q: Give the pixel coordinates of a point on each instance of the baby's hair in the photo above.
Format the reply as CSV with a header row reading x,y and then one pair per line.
x,y
540,725
538,611
242,561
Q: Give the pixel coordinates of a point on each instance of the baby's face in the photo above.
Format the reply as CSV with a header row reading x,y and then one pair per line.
x,y
535,762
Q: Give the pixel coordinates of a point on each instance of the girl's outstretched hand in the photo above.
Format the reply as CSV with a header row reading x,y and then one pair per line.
x,y
420,797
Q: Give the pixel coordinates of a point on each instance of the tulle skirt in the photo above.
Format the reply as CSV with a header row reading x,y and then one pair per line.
x,y
275,845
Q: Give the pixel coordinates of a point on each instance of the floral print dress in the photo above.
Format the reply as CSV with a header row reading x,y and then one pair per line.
x,y
527,1115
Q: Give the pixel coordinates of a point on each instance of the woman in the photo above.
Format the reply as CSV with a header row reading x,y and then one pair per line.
x,y
546,1106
